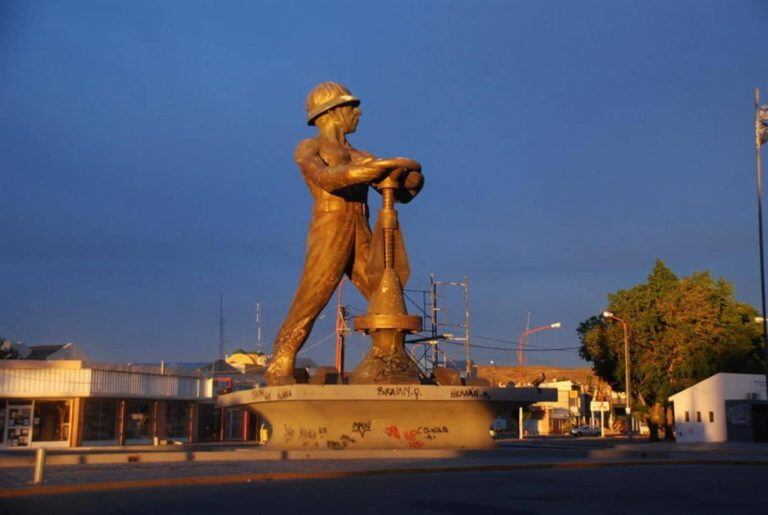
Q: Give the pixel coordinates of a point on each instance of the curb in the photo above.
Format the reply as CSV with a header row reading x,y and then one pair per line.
x,y
287,476
262,454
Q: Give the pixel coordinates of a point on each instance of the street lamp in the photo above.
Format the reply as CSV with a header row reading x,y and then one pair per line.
x,y
761,137
609,314
524,337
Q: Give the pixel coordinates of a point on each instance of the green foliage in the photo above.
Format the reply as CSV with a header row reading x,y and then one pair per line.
x,y
681,331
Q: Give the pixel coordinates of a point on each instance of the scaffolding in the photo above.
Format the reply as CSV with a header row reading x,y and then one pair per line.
x,y
427,351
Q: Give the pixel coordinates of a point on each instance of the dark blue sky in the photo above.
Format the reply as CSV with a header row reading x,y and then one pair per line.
x,y
146,158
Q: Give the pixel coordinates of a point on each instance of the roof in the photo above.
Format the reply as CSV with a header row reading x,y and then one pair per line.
x,y
75,364
70,378
45,351
721,378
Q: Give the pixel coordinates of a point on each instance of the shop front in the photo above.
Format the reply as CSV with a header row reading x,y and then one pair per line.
x,y
72,404
29,423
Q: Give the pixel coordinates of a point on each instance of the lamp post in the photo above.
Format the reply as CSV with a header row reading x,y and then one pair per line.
x,y
761,137
524,338
609,314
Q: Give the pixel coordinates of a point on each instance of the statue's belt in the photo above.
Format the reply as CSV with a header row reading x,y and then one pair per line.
x,y
325,206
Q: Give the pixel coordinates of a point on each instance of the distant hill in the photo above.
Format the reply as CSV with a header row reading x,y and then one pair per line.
x,y
504,375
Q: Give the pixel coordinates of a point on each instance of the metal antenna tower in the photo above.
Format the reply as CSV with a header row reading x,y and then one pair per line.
x,y
465,325
258,326
222,340
430,360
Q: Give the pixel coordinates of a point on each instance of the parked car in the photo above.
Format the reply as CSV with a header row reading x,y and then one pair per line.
x,y
585,431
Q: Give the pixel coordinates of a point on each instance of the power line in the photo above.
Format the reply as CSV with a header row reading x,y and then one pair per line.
x,y
488,347
315,344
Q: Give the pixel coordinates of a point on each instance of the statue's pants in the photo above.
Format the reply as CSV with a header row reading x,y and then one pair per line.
x,y
338,242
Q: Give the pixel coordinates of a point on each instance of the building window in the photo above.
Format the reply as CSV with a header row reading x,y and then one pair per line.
x,y
698,416
234,424
711,416
51,421
687,417
100,420
2,421
208,423
176,419
137,418
19,423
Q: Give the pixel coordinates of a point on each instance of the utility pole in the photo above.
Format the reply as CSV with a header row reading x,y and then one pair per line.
x,y
466,325
341,332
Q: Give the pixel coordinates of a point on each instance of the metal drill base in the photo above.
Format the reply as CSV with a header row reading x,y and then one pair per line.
x,y
386,369
382,416
375,321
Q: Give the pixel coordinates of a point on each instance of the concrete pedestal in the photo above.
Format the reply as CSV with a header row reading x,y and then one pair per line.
x,y
382,416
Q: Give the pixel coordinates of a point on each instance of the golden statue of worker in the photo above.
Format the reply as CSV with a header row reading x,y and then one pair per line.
x,y
340,242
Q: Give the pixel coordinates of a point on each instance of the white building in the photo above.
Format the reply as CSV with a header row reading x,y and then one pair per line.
x,y
720,408
69,403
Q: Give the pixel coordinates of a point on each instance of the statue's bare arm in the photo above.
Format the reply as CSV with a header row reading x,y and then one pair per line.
x,y
333,178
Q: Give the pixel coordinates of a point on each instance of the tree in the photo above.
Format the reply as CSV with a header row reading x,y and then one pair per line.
x,y
681,332
7,351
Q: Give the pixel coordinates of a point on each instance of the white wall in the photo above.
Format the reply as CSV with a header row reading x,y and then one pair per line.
x,y
55,381
41,382
709,396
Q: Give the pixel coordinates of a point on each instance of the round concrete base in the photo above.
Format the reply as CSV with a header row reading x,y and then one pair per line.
x,y
382,416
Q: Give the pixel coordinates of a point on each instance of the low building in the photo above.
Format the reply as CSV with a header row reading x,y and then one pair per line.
x,y
69,403
724,407
557,417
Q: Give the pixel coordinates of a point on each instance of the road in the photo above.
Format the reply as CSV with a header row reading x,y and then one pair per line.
x,y
677,489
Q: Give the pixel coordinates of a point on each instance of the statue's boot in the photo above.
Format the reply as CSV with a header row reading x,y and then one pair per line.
x,y
281,370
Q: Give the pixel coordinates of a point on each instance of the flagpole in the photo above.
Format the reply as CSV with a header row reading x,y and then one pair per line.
x,y
759,166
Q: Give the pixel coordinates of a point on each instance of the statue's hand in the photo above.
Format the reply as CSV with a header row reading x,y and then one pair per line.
x,y
404,172
413,180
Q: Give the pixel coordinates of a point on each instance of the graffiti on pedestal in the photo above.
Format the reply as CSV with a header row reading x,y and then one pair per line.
x,y
463,393
417,436
403,392
361,427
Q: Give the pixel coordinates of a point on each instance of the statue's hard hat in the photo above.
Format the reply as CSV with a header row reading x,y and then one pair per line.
x,y
325,96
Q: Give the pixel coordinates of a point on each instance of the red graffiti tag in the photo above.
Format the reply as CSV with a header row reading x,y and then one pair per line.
x,y
392,431
413,442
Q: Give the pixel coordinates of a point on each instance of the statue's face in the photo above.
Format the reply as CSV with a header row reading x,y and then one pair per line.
x,y
344,117
350,116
